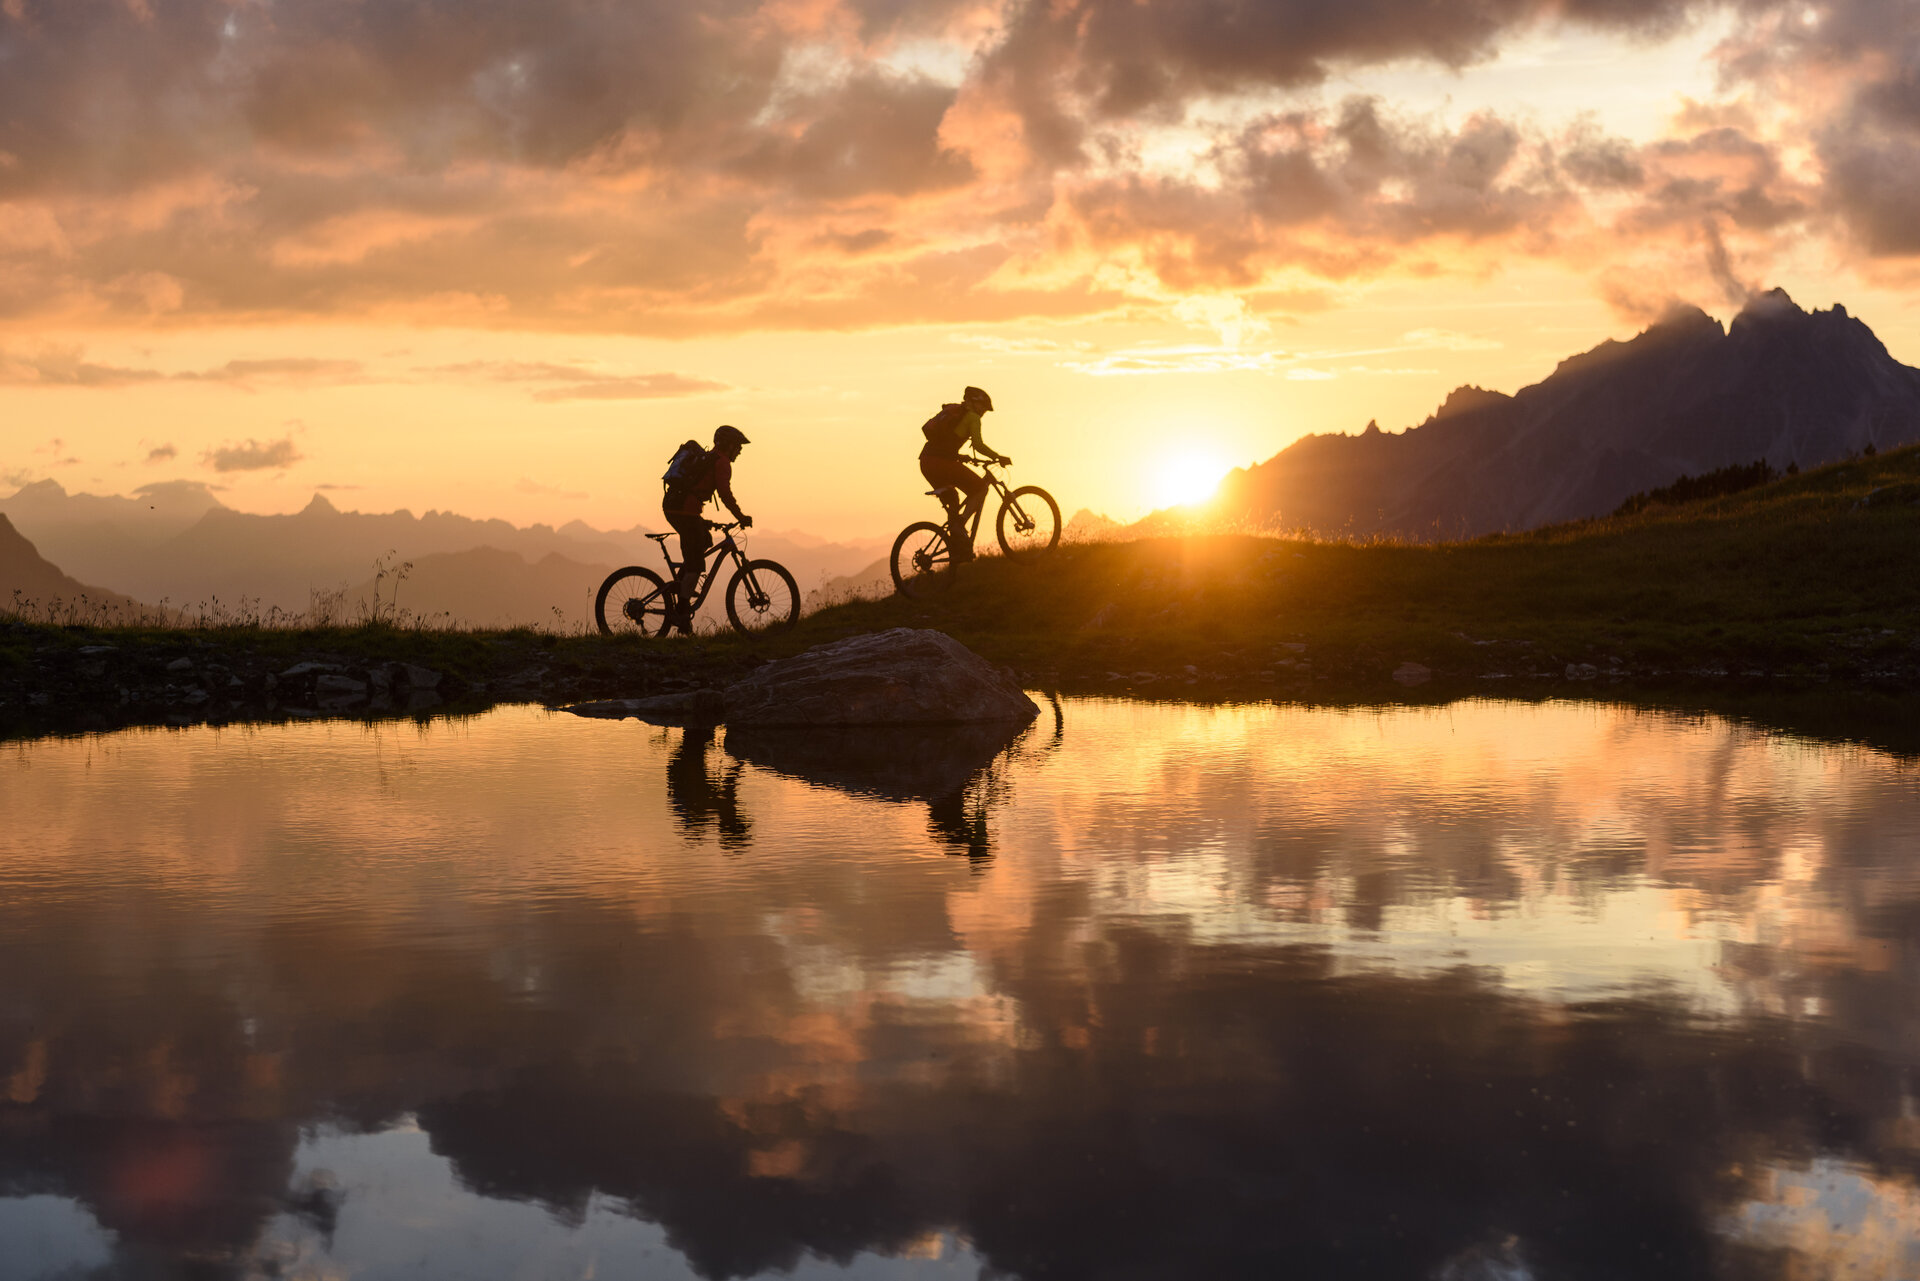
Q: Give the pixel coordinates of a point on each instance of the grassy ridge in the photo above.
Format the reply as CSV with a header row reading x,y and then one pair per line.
x,y
1799,583
1801,575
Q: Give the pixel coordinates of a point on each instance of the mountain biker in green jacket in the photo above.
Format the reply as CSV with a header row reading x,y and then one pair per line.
x,y
940,464
683,506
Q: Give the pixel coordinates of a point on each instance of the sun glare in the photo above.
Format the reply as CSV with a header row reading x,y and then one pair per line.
x,y
1185,479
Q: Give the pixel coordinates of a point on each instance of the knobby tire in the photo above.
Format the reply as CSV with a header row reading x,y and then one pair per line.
x,y
632,601
922,562
1028,503
780,604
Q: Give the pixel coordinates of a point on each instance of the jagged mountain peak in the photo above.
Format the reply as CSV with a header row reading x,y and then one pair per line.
x,y
1465,399
1682,326
1683,396
1772,304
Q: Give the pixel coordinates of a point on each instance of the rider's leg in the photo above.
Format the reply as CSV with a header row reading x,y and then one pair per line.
x,y
947,476
695,540
961,526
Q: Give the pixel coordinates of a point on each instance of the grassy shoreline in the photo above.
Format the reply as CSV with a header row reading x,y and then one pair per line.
x,y
1801,585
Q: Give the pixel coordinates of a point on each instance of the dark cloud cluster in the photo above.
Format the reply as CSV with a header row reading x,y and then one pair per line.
x,y
1120,58
677,165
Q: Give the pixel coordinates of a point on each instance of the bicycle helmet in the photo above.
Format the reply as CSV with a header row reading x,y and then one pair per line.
x,y
974,398
727,435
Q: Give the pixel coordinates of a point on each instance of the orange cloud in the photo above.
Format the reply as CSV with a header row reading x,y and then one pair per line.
x,y
676,167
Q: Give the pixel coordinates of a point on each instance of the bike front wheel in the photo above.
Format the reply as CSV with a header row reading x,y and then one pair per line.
x,y
1029,522
633,601
922,561
762,596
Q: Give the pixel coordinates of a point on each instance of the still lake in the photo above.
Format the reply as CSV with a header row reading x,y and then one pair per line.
x,y
1152,991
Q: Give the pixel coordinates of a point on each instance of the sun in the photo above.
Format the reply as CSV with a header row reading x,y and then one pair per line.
x,y
1186,479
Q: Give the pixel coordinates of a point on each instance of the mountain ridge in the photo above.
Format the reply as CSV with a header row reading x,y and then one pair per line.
x,y
1683,396
31,582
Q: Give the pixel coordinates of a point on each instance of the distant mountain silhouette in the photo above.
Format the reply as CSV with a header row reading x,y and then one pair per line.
x,y
1683,397
487,587
870,582
40,584
178,542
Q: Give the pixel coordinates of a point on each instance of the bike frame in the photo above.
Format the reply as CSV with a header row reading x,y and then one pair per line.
x,y
721,554
999,486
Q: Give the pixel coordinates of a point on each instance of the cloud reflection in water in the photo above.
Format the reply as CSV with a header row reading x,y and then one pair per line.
x,y
1580,989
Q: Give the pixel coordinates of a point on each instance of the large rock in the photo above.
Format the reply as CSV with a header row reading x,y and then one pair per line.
x,y
899,677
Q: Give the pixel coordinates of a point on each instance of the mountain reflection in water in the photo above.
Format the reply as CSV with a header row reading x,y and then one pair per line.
x,y
1488,990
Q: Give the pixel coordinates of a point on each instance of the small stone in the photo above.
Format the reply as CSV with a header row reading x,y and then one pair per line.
x,y
180,665
97,649
1191,670
332,683
305,669
1581,671
1413,673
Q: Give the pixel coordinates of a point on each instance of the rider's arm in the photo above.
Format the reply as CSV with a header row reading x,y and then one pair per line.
x,y
723,487
970,425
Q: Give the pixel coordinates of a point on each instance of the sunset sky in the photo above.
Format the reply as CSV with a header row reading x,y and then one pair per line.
x,y
499,256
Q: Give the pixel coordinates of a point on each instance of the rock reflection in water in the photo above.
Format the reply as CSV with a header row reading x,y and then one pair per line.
x,y
937,764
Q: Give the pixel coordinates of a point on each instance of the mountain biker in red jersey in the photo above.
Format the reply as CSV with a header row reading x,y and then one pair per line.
x,y
683,504
940,463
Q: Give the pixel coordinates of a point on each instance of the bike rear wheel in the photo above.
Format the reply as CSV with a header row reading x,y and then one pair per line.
x,y
922,561
633,601
1029,522
762,596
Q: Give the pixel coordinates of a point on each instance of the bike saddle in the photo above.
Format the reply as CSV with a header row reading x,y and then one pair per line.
x,y
935,493
660,538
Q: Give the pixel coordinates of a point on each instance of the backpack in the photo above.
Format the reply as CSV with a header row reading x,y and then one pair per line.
x,y
685,467
940,428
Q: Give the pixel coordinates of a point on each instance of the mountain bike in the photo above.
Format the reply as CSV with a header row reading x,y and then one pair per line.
x,y
1028,523
761,595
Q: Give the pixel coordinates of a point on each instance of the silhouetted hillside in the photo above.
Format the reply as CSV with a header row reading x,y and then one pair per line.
x,y
29,581
1684,397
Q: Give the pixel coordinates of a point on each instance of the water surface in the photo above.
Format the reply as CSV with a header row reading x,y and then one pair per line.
x,y
1151,991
